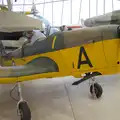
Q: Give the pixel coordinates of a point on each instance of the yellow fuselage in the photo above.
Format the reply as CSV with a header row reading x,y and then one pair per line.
x,y
103,55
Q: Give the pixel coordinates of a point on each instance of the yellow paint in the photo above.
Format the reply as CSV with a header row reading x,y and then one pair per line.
x,y
53,43
3,8
103,55
111,50
27,12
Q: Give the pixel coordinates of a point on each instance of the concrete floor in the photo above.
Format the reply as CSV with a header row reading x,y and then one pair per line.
x,y
57,99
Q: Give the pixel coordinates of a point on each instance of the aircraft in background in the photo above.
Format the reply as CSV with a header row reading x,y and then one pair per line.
x,y
48,29
109,18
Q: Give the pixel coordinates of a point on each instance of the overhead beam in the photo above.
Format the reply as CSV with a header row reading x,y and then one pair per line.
x,y
41,3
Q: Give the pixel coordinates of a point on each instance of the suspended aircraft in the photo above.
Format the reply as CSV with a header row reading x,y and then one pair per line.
x,y
83,53
108,18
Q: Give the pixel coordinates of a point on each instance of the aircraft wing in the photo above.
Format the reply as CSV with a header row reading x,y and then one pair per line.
x,y
36,66
15,22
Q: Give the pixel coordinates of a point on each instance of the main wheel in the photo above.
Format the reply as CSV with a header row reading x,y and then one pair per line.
x,y
24,111
97,89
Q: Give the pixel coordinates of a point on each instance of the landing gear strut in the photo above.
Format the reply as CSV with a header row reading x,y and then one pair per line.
x,y
95,88
23,109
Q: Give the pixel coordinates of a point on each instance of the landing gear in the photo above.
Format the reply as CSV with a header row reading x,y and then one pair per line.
x,y
95,89
23,109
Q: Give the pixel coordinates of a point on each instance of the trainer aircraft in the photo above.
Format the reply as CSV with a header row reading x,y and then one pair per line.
x,y
83,53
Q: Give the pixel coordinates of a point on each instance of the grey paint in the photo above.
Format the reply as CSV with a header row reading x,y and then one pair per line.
x,y
69,39
108,18
36,66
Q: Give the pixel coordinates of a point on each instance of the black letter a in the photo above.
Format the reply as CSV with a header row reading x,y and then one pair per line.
x,y
87,61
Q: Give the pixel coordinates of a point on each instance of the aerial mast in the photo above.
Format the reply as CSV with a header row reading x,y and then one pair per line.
x,y
89,8
104,6
112,5
52,12
43,7
96,7
62,12
80,11
71,11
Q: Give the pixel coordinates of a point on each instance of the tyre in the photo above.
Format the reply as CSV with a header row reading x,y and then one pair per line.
x,y
24,110
97,88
